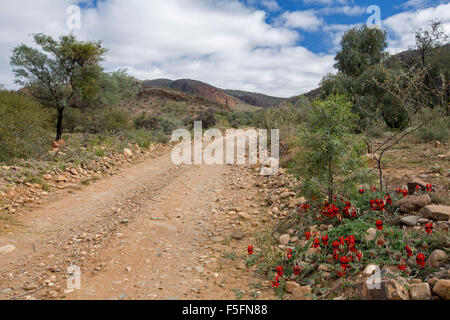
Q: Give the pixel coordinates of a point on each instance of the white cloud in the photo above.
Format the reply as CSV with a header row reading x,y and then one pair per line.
x,y
306,20
270,5
221,42
346,10
326,2
400,27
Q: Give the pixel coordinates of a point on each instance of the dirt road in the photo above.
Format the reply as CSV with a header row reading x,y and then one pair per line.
x,y
153,231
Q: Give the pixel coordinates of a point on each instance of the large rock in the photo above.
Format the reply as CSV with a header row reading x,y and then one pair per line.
x,y
291,285
442,289
302,293
127,152
7,249
420,291
435,212
284,239
410,220
413,202
387,289
371,234
416,182
437,259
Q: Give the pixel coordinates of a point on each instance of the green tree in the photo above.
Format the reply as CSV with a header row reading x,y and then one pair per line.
x,y
117,87
330,154
361,48
60,74
429,38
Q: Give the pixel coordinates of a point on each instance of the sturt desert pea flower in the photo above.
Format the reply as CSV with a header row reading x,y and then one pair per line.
x,y
325,240
341,273
296,269
379,224
308,235
429,228
336,245
361,191
420,260
275,282
289,253
250,250
350,242
388,199
279,270
344,262
316,243
429,187
359,255
408,251
373,189
380,242
336,255
402,265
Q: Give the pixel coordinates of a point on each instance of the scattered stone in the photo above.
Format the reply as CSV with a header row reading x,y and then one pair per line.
x,y
284,239
410,220
7,249
413,202
61,178
243,216
238,234
301,293
199,269
437,258
127,152
370,269
386,289
291,285
47,176
436,212
442,289
371,234
420,291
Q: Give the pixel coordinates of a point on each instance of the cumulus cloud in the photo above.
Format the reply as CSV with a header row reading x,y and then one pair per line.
x,y
306,20
400,27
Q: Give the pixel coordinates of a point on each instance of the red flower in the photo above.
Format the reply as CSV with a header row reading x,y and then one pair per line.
x,y
275,282
388,199
325,240
373,189
308,235
402,265
289,253
359,255
250,250
420,260
296,269
361,191
336,255
341,273
316,243
380,242
379,224
429,187
279,270
336,245
344,262
429,228
408,251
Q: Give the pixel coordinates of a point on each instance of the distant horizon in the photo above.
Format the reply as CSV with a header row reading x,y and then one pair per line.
x,y
273,47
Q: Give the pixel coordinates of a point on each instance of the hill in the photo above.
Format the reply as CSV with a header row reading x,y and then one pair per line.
x,y
254,99
197,89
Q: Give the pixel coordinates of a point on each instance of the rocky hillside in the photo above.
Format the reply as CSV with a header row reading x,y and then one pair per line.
x,y
255,99
197,89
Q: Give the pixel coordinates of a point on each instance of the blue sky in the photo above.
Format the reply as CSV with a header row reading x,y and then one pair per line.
x,y
277,47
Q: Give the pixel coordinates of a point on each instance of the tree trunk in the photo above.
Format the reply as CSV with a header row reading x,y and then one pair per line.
x,y
59,124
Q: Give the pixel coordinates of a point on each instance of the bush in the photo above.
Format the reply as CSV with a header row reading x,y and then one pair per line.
x,y
23,127
115,121
439,129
